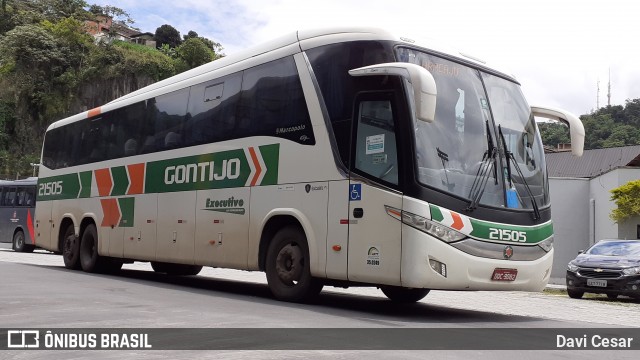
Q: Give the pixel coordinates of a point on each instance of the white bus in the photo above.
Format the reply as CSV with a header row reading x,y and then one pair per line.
x,y
337,157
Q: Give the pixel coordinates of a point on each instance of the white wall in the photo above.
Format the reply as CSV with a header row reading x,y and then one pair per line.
x,y
570,215
570,212
599,191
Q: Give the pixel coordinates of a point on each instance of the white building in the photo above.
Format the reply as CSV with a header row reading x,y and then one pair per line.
x,y
581,200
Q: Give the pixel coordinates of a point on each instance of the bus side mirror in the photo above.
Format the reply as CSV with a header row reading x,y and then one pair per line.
x,y
576,129
424,86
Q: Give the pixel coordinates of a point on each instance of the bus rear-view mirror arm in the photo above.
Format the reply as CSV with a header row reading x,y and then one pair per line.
x,y
424,86
576,129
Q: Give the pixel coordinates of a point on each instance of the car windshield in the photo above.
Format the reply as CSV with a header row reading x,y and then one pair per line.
x,y
616,248
482,141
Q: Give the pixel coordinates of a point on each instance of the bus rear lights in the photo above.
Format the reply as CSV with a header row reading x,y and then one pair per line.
x,y
438,267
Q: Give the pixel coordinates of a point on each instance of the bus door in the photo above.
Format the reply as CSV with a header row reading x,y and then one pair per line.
x,y
43,222
374,235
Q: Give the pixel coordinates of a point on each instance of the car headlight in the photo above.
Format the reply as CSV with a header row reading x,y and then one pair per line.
x,y
432,228
632,271
547,245
572,267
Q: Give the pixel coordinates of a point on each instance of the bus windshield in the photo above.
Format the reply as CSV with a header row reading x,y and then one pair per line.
x,y
482,142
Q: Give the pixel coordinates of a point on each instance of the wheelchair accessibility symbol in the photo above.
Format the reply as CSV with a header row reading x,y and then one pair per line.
x,y
355,192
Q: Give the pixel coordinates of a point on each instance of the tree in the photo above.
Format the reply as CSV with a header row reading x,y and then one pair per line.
x,y
553,134
627,199
194,53
167,34
115,13
190,35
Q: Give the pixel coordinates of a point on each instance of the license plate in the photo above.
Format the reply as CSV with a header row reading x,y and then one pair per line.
x,y
598,283
504,274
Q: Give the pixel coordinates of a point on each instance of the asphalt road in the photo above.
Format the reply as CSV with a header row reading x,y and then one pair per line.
x,y
36,291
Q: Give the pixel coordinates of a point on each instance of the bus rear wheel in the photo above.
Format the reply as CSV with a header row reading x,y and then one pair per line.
x,y
90,260
175,269
71,249
287,267
404,295
19,244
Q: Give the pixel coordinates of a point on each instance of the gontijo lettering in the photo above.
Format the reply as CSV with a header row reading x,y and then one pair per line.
x,y
204,171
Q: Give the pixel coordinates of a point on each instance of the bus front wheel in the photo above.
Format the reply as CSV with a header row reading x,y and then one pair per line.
x,y
404,295
71,249
287,267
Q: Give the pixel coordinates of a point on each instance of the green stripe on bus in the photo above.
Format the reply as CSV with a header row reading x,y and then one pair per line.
x,y
270,155
85,181
58,187
127,206
436,214
226,169
511,233
120,180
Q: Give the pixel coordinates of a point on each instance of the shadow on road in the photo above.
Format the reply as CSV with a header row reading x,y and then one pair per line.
x,y
376,310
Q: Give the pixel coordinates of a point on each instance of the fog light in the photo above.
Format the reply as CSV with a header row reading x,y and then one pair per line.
x,y
634,287
438,267
570,282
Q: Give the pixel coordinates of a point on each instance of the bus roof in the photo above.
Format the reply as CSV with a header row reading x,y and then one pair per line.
x,y
27,181
282,46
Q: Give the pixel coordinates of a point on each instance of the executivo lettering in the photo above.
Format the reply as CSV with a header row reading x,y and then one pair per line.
x,y
230,205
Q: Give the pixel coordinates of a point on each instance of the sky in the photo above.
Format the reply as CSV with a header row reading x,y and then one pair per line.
x,y
557,49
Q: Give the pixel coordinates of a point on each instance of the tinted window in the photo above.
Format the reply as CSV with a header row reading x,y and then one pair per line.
x,y
9,197
331,64
265,100
163,128
212,110
272,103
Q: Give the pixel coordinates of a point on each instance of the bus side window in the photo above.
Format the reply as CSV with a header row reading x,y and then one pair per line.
x,y
20,197
9,197
29,196
375,148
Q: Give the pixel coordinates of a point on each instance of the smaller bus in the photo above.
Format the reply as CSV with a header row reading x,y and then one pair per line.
x,y
17,206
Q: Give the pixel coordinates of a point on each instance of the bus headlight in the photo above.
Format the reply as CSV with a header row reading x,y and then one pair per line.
x,y
546,245
432,228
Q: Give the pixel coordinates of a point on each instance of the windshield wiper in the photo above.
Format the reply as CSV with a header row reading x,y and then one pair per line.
x,y
444,157
487,166
509,156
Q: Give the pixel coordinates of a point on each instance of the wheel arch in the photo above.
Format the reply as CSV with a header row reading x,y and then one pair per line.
x,y
278,219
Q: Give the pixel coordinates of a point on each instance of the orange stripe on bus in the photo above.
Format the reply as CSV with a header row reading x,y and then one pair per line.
x,y
254,158
111,212
94,112
103,178
136,178
457,221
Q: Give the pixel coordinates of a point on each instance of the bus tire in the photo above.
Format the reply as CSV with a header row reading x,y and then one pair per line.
x,y
287,267
175,269
18,242
404,295
71,249
90,260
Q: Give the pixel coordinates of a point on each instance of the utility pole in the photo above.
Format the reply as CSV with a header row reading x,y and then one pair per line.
x,y
609,90
598,96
